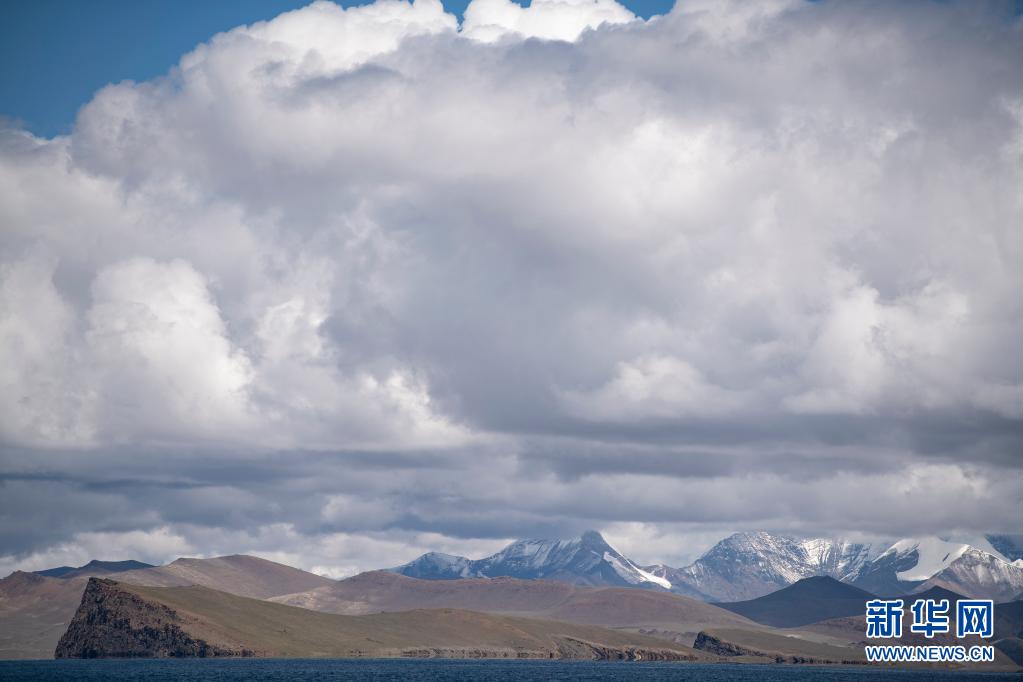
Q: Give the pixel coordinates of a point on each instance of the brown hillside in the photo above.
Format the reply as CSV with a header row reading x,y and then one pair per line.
x,y
379,591
34,612
247,576
116,619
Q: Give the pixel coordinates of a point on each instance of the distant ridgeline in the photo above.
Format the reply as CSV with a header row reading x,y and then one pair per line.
x,y
94,567
756,596
749,565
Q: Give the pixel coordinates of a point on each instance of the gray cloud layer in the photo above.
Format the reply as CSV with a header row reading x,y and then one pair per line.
x,y
351,284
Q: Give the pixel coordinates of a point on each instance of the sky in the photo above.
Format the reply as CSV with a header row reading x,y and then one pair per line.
x,y
349,285
54,54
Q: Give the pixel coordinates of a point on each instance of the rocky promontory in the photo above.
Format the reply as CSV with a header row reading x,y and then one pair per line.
x,y
112,622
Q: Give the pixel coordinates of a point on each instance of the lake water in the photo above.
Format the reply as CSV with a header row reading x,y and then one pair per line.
x,y
443,670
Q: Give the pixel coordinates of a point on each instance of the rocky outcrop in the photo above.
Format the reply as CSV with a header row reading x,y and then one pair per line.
x,y
564,648
569,647
112,622
714,644
719,647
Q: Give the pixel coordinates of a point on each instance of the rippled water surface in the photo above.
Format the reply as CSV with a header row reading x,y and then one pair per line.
x,y
493,671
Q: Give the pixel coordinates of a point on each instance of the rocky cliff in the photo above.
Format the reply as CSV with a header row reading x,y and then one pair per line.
x,y
114,623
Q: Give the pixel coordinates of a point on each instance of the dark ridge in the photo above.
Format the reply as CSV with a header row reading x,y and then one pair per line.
x,y
94,566
808,601
1011,647
937,593
58,572
1009,619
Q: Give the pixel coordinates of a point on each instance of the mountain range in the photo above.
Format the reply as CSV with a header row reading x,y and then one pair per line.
x,y
748,565
747,581
586,560
241,605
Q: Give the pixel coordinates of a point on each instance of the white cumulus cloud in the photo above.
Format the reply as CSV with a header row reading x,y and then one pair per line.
x,y
398,275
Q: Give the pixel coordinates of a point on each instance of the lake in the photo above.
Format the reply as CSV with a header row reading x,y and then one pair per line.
x,y
379,670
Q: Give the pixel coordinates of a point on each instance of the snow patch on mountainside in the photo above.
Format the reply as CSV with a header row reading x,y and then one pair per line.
x,y
751,564
981,575
438,564
977,541
933,555
534,554
586,560
632,573
838,558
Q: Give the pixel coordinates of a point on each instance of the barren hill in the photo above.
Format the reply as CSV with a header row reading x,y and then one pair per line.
x,y
810,600
34,611
381,591
240,574
117,619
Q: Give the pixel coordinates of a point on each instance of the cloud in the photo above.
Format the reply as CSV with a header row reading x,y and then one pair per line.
x,y
169,365
353,276
37,403
490,20
653,387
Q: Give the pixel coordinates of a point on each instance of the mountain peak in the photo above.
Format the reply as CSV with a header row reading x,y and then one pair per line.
x,y
586,560
20,579
592,537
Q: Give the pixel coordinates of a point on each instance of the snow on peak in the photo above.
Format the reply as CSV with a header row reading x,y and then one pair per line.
x,y
651,578
839,558
933,555
536,553
633,574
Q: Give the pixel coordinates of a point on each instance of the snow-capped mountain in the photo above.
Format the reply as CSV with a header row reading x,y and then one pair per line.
x,y
752,564
907,563
838,558
976,573
586,560
887,574
749,565
967,565
438,566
